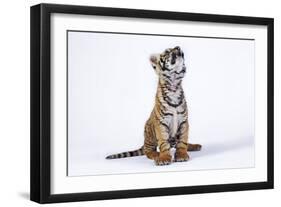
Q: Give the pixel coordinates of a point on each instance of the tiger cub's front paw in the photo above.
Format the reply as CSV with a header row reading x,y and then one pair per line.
x,y
163,159
181,155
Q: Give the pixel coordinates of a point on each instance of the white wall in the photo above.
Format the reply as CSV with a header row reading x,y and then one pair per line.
x,y
14,110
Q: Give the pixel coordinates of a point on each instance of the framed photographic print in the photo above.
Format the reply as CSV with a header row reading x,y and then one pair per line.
x,y
132,103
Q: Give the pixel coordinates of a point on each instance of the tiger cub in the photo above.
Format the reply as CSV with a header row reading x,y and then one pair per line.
x,y
167,125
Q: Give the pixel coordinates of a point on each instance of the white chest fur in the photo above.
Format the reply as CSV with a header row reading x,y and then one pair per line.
x,y
174,123
175,119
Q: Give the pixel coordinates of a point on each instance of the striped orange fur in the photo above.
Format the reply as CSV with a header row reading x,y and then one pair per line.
x,y
167,125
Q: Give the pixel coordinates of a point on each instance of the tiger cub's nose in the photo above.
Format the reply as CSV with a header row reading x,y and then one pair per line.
x,y
178,51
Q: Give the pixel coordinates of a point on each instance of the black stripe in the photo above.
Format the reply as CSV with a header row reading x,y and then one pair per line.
x,y
167,76
165,113
182,71
165,149
149,145
164,68
181,124
161,145
164,124
178,78
173,105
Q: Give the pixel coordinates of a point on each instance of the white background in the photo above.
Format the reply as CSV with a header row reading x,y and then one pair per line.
x,y
111,94
14,87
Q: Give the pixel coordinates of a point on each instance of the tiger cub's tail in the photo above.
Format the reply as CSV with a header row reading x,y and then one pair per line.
x,y
194,147
138,152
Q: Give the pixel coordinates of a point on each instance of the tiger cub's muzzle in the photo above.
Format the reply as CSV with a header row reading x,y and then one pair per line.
x,y
176,53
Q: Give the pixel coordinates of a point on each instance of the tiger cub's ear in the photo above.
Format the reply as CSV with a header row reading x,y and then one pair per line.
x,y
154,60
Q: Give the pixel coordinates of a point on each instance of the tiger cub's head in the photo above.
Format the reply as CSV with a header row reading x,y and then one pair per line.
x,y
169,65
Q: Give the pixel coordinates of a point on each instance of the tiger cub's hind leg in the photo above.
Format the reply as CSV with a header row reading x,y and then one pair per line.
x,y
150,144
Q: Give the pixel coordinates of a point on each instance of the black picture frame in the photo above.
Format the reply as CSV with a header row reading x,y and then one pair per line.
x,y
40,184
